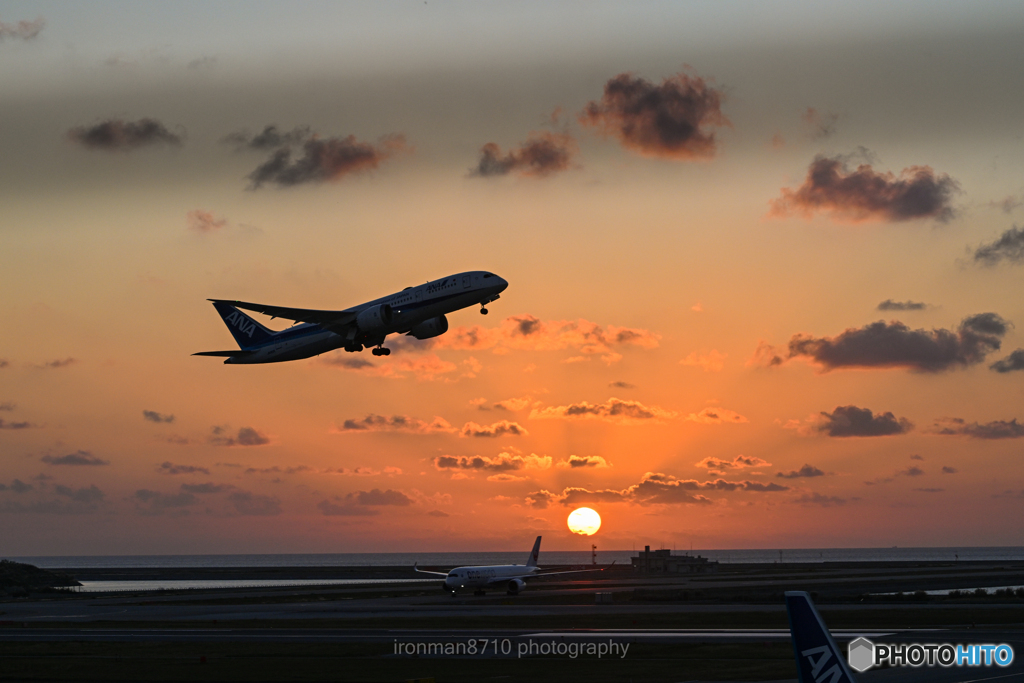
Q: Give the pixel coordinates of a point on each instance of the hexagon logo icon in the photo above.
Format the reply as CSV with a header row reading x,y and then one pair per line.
x,y
861,654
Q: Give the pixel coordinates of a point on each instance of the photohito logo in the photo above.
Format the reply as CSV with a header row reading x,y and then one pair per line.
x,y
862,654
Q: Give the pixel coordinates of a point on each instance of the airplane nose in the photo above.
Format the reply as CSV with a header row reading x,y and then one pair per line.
x,y
503,284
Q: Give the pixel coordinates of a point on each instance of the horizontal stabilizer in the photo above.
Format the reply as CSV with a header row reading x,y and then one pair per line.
x,y
224,354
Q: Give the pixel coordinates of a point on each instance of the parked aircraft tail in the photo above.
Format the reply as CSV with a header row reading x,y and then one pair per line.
x,y
246,331
818,658
532,560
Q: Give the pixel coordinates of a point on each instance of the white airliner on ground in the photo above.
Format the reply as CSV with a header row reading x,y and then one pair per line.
x,y
511,577
417,311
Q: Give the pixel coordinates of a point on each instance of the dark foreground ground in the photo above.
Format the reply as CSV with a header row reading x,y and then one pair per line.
x,y
730,626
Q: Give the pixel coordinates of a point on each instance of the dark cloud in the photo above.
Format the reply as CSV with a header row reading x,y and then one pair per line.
x,y
57,364
204,221
396,423
8,406
1009,247
949,470
1015,361
206,488
116,134
822,125
654,489
672,120
18,486
997,429
614,410
271,137
348,510
295,469
893,344
4,363
377,497
854,421
930,490
23,30
88,495
157,503
246,503
866,194
502,428
247,436
805,471
819,499
541,155
890,305
621,385
500,463
917,457
154,416
77,458
171,468
581,461
438,513
912,471
15,425
324,159
718,466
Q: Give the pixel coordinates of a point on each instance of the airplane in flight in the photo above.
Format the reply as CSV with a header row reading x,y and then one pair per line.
x,y
416,311
512,576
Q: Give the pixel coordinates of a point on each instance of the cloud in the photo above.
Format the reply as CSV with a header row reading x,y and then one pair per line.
x,y
613,410
915,456
506,477
713,361
363,471
23,30
513,404
77,458
247,436
271,137
1015,361
893,344
206,488
528,333
157,503
654,489
295,469
425,368
4,363
376,497
819,499
347,510
438,513
395,423
246,503
15,425
584,461
673,120
503,462
867,195
621,385
719,466
18,486
8,406
116,134
766,356
204,221
154,416
325,159
171,468
1008,203
949,470
997,429
1009,247
59,363
805,471
890,305
853,421
502,428
930,490
912,471
541,155
85,495
821,125
717,416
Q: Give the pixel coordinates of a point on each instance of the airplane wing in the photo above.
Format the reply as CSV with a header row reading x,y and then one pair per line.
x,y
525,577
424,571
331,320
223,354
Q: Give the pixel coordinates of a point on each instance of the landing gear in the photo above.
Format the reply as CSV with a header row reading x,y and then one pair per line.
x,y
353,348
483,311
381,351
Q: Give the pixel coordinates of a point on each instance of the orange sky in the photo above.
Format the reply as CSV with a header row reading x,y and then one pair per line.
x,y
671,211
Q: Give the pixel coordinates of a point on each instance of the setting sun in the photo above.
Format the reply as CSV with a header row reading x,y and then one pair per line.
x,y
584,521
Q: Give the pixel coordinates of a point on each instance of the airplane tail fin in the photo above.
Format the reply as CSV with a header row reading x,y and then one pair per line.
x,y
818,658
246,331
532,560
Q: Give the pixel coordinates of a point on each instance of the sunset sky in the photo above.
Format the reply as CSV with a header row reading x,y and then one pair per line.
x,y
764,260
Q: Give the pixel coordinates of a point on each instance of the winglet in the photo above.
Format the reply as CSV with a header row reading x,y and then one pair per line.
x,y
818,658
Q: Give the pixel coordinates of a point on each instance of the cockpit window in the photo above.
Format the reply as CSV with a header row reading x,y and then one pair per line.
x,y
453,573
488,274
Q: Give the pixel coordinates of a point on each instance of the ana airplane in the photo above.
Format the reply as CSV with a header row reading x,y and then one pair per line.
x,y
818,658
416,311
512,577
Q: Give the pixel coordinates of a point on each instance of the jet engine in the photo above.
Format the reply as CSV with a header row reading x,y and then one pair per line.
x,y
516,585
434,327
375,318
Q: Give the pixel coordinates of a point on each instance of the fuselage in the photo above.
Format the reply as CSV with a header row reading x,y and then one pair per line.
x,y
480,577
409,308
